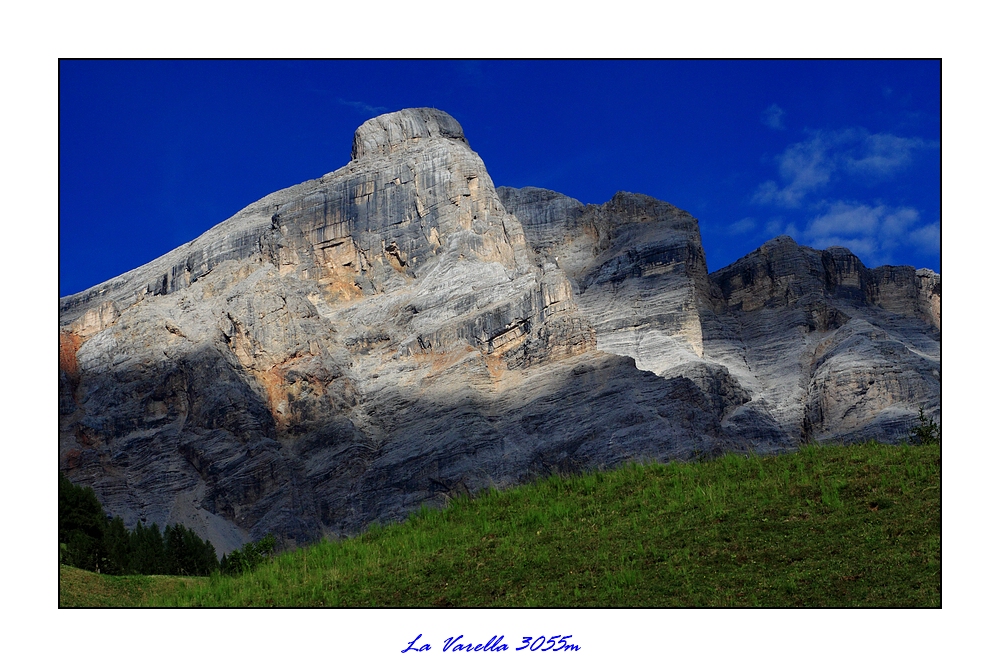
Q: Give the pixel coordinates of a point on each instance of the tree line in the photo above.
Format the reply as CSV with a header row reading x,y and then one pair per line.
x,y
91,540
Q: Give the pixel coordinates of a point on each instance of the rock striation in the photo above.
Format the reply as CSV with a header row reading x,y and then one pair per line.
x,y
795,344
400,331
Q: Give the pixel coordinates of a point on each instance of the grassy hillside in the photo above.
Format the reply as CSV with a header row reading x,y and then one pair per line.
x,y
80,588
827,526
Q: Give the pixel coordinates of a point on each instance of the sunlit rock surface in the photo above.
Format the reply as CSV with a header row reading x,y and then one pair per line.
x,y
398,331
767,337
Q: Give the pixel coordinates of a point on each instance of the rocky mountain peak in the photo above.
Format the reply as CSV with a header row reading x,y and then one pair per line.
x,y
399,331
782,272
629,207
392,132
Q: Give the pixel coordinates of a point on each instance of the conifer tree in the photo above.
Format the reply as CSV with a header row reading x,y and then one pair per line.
x,y
173,556
90,540
81,525
116,547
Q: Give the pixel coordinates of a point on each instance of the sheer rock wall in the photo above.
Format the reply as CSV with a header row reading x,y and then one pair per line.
x,y
399,331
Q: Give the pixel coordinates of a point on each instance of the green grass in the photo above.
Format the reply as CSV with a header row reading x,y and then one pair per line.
x,y
857,525
80,588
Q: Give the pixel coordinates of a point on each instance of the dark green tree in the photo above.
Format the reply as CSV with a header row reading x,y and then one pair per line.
x,y
926,432
199,555
81,525
90,540
116,547
147,552
250,557
173,550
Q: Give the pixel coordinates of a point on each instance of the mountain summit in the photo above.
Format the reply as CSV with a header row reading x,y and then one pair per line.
x,y
400,331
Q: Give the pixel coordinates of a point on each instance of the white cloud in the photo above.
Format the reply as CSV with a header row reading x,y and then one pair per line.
x,y
882,155
870,232
896,223
772,117
844,218
807,167
775,227
363,107
742,226
927,238
804,168
767,193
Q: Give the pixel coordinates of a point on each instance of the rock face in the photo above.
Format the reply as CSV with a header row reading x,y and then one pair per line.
x,y
793,344
861,348
399,331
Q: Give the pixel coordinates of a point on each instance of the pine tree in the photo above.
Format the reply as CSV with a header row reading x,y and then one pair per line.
x,y
148,553
81,525
137,563
116,547
90,540
208,558
154,540
173,556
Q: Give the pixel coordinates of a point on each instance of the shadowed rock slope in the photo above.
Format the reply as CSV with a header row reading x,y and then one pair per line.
x,y
399,331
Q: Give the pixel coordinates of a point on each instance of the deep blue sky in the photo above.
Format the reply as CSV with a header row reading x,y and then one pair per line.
x,y
153,153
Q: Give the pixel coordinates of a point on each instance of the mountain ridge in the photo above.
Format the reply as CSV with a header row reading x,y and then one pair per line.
x,y
398,331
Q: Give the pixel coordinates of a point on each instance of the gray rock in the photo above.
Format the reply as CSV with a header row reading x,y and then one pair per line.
x,y
768,320
260,368
399,331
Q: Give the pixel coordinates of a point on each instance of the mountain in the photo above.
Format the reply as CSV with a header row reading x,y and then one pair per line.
x,y
400,331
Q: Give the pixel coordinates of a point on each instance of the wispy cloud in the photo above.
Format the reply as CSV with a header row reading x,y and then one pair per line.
x,y
927,238
778,226
804,168
807,167
773,117
363,107
742,226
882,155
873,233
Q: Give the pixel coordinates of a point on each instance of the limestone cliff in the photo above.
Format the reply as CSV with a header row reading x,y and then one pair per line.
x,y
775,338
399,331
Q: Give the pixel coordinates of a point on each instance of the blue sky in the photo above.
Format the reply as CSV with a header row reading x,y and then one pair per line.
x,y
845,152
